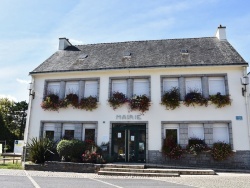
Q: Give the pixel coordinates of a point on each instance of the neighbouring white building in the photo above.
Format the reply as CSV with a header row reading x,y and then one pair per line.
x,y
208,65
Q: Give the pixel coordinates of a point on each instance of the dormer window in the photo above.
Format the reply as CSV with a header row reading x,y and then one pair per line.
x,y
184,51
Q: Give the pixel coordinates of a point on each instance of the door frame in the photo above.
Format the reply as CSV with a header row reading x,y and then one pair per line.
x,y
128,123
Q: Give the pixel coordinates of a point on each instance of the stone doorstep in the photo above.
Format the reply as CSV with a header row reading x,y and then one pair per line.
x,y
112,173
124,166
155,170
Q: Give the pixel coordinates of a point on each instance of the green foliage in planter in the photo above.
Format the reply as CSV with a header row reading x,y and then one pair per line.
x,y
39,150
140,102
88,103
196,146
171,149
220,100
70,99
171,99
117,99
71,150
221,151
195,98
51,102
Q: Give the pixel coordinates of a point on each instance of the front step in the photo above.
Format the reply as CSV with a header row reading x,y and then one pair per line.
x,y
147,174
163,171
140,170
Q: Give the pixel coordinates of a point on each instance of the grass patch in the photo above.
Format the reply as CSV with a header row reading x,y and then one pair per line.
x,y
11,166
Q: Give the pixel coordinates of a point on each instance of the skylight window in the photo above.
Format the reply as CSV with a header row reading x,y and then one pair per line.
x,y
184,51
82,56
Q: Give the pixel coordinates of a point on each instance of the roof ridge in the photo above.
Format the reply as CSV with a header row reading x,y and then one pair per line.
x,y
142,41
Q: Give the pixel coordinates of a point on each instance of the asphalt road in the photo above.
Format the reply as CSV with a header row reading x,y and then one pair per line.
x,y
31,179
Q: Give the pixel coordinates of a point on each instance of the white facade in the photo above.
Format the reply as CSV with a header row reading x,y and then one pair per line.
x,y
157,115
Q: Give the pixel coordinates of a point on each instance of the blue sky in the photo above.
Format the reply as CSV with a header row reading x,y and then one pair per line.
x,y
30,29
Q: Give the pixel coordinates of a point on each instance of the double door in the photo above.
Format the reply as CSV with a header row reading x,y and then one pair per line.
x,y
129,143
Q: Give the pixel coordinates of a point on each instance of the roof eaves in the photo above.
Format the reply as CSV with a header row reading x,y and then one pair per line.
x,y
139,67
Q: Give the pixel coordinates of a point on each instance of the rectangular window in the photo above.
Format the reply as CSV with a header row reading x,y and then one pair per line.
x,y
119,86
196,131
90,134
53,88
171,131
216,85
68,131
170,83
72,87
193,84
49,135
220,133
141,87
69,134
91,89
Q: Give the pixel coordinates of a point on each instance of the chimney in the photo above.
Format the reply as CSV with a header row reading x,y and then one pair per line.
x,y
64,43
221,33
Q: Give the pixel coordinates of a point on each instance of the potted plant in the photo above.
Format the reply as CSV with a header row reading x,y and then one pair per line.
x,y
220,100
171,149
140,102
51,102
171,99
196,146
194,97
70,99
117,99
221,151
88,103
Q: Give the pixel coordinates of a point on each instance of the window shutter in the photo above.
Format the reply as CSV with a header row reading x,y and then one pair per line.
x,y
53,88
91,88
72,87
216,84
119,86
141,87
193,84
220,133
169,83
196,131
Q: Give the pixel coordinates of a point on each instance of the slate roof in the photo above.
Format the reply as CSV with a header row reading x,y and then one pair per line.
x,y
207,51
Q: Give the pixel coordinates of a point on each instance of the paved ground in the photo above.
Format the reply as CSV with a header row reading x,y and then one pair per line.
x,y
37,179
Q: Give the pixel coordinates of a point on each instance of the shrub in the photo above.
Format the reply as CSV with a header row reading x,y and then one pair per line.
x,y
221,151
51,102
71,150
171,99
40,150
117,99
140,102
71,99
92,157
196,146
220,100
195,98
171,149
88,103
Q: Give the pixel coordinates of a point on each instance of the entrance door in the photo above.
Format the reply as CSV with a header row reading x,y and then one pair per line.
x,y
129,143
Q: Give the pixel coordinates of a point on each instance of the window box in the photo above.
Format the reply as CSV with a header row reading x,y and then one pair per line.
x,y
141,103
195,98
220,100
117,99
171,99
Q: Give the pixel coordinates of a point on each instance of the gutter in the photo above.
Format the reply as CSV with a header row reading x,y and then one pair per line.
x,y
137,67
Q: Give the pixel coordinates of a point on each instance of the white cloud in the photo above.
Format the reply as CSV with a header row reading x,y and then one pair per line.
x,y
9,97
75,42
22,81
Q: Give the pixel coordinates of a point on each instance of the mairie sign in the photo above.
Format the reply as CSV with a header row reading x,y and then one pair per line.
x,y
128,117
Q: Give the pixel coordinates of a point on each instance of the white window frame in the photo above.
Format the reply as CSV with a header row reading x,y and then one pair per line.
x,y
86,94
190,135
221,125
122,81
171,80
171,126
48,127
89,126
68,126
142,80
53,84
67,87
221,79
195,79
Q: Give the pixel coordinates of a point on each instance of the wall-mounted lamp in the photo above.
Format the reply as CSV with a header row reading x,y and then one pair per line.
x,y
244,82
31,91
